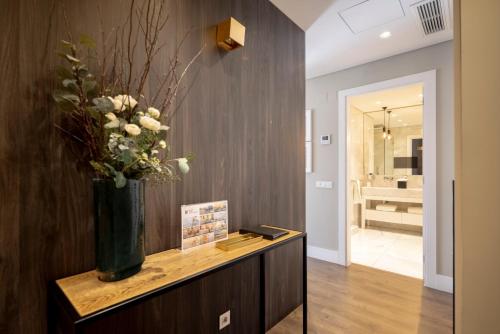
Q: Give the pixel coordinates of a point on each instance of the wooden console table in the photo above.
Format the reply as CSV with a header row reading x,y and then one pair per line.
x,y
82,299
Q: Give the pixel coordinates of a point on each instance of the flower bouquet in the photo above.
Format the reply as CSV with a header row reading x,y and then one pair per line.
x,y
121,131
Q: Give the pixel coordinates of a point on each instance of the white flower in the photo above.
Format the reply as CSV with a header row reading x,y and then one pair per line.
x,y
154,152
126,100
113,124
149,123
183,165
139,113
132,129
123,147
144,156
162,144
118,104
153,112
110,116
164,128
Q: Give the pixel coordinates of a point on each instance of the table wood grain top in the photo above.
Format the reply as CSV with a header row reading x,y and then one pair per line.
x,y
88,294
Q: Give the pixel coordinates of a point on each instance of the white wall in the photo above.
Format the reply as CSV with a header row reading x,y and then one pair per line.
x,y
321,97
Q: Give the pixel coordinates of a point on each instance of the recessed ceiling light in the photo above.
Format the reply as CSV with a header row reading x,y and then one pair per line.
x,y
385,34
406,124
420,95
378,102
399,120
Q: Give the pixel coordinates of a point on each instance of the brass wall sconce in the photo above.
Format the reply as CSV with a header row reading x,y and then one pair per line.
x,y
230,34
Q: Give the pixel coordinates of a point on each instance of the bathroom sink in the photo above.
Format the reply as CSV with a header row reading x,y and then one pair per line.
x,y
392,192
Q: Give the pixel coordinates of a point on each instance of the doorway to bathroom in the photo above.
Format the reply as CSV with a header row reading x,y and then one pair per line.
x,y
387,143
384,199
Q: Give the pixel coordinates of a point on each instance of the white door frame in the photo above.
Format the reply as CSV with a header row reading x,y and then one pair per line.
x,y
428,79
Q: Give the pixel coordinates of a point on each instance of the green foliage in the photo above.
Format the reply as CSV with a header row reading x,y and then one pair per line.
x,y
67,101
71,85
89,87
72,59
87,41
100,168
123,138
103,104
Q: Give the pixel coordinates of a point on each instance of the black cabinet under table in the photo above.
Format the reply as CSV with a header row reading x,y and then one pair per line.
x,y
187,291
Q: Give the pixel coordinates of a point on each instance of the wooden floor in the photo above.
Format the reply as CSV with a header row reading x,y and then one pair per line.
x,y
364,300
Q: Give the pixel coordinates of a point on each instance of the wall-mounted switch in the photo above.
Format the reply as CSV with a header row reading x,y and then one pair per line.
x,y
224,319
324,184
326,139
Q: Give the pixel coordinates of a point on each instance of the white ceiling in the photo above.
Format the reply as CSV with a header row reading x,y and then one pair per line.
x,y
405,103
345,33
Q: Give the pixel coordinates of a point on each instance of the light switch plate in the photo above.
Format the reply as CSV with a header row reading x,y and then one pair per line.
x,y
324,184
224,319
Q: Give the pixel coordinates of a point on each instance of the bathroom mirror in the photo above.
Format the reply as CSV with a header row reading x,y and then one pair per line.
x,y
393,146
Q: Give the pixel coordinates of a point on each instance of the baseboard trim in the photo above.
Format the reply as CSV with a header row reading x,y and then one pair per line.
x,y
437,282
323,254
444,283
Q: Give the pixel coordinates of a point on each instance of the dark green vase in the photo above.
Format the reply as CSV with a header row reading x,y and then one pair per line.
x,y
119,229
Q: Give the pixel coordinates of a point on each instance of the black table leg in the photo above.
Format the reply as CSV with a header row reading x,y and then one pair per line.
x,y
304,285
262,310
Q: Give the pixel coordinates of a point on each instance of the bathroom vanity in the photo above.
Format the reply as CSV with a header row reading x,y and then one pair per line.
x,y
407,204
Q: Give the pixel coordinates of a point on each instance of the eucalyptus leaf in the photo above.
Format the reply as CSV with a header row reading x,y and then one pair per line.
x,y
127,157
103,104
87,41
64,73
89,86
120,180
94,113
68,45
111,168
82,71
61,96
71,84
72,59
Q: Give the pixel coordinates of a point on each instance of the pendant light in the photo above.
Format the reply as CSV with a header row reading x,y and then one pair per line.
x,y
384,133
389,135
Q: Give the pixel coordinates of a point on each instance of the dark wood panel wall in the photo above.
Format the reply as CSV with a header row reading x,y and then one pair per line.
x,y
241,113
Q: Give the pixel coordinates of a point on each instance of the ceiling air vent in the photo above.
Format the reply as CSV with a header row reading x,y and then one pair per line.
x,y
430,15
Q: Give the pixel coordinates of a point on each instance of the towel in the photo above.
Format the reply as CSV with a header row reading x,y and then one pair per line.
x,y
415,210
356,192
386,207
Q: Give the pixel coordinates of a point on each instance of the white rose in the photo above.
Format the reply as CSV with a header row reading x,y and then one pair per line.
x,y
149,123
162,144
126,100
144,156
110,116
132,129
153,152
183,165
153,112
164,128
113,124
117,104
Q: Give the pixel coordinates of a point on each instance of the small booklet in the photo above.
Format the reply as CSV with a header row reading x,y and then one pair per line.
x,y
268,233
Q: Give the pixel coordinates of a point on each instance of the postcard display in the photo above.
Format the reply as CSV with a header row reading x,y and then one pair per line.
x,y
204,223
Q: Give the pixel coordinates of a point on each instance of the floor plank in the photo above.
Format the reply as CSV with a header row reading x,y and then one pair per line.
x,y
360,300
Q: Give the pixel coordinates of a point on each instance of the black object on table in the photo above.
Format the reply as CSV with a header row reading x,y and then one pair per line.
x,y
268,233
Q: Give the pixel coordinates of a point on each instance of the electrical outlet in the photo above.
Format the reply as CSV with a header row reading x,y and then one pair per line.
x,y
224,319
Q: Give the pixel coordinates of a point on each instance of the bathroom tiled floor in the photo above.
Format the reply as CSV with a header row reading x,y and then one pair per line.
x,y
386,250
